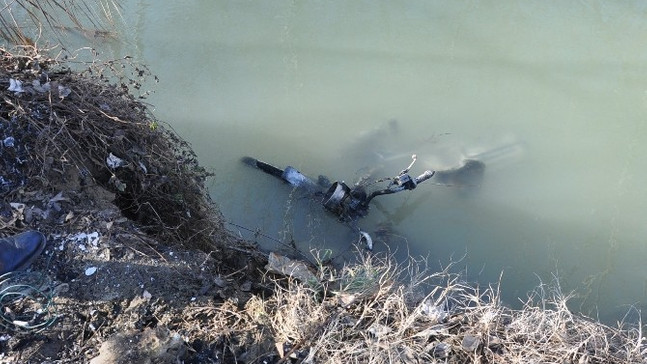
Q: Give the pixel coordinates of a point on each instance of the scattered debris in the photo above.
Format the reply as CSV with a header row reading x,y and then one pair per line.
x,y
435,313
441,350
15,86
279,264
114,162
152,346
378,330
9,142
364,238
27,302
60,121
470,342
63,91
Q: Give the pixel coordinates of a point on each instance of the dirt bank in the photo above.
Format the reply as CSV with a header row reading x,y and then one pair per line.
x,y
134,242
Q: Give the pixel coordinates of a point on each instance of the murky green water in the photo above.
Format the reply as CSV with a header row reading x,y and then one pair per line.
x,y
561,85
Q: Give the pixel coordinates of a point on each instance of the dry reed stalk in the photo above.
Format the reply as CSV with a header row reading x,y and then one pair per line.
x,y
22,21
387,321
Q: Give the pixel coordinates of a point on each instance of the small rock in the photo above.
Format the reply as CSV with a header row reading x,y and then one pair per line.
x,y
19,207
441,350
379,330
220,282
346,299
292,268
157,345
470,342
40,87
90,271
63,92
114,162
246,287
436,330
9,142
15,86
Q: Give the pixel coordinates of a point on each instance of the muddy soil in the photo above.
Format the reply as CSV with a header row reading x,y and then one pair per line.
x,y
113,282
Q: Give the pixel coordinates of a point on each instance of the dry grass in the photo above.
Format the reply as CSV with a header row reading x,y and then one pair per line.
x,y
81,124
363,313
22,21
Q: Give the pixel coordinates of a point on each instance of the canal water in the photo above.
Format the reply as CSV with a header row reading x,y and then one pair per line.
x,y
550,95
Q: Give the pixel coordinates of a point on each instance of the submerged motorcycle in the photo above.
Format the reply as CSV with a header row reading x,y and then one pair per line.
x,y
349,204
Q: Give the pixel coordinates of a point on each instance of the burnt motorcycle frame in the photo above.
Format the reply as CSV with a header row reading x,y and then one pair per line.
x,y
347,203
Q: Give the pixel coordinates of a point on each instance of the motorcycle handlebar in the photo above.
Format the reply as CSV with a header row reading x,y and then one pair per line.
x,y
393,189
425,176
